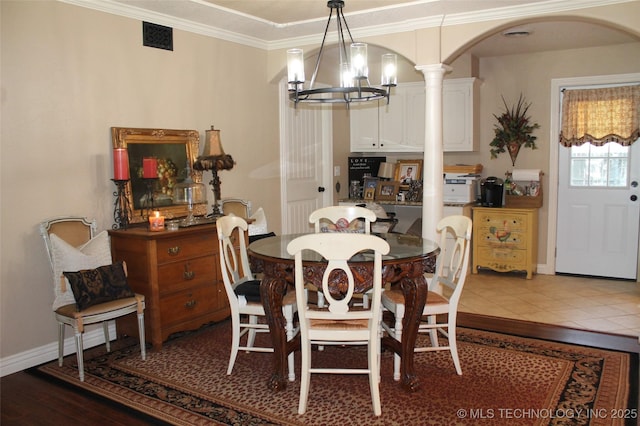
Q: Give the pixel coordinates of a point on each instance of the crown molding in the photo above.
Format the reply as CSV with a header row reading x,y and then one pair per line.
x,y
262,34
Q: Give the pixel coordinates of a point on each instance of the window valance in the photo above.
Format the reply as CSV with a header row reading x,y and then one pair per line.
x,y
600,115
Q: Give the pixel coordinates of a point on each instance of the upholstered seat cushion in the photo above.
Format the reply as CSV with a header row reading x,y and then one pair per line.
x,y
250,290
103,284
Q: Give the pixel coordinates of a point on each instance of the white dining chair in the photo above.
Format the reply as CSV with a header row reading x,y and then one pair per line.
x,y
443,295
243,292
339,323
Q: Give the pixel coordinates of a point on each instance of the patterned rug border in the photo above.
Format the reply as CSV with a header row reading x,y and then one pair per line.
x,y
210,409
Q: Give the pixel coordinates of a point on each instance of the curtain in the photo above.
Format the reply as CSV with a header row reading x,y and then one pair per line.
x,y
600,115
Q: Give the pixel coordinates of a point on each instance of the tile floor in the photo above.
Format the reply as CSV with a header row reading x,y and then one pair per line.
x,y
610,306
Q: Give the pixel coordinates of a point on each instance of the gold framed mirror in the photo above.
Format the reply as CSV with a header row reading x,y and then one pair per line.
x,y
173,149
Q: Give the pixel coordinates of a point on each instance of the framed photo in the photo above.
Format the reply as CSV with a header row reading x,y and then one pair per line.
x,y
370,182
172,149
408,170
387,190
369,194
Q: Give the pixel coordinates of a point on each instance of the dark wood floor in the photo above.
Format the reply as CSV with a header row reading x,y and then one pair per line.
x,y
29,399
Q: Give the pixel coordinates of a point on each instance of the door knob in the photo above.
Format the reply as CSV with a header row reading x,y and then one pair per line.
x,y
321,189
634,197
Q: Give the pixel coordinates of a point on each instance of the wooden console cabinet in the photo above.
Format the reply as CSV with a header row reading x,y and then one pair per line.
x,y
505,239
179,274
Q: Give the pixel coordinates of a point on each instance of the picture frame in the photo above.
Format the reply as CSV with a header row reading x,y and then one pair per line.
x,y
408,171
387,190
173,149
369,194
370,182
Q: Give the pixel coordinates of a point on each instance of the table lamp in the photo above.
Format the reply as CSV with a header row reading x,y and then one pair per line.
x,y
386,171
213,158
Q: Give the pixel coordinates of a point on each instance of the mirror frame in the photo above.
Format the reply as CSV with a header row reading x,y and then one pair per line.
x,y
123,137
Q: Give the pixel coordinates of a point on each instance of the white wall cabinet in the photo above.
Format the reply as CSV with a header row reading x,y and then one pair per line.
x,y
400,125
394,127
460,114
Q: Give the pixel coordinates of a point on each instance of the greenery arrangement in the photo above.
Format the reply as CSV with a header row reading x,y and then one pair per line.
x,y
514,130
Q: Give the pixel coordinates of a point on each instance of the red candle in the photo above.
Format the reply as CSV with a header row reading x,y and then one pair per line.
x,y
149,167
120,164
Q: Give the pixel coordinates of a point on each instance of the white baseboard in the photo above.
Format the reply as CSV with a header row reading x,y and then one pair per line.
x,y
49,352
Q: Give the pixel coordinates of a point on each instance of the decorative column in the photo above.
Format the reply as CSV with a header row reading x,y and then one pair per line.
x,y
432,197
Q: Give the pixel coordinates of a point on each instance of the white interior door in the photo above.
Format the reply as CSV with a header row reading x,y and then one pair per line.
x,y
598,217
305,153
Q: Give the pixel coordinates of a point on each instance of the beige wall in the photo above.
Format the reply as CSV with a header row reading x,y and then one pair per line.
x,y
69,74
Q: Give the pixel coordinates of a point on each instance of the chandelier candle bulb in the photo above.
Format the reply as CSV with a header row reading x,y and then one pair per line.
x,y
295,66
149,167
389,74
156,222
359,68
120,164
346,78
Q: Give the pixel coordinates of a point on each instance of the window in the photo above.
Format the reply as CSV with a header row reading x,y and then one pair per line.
x,y
599,166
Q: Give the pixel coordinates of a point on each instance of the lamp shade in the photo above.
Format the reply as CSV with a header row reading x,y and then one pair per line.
x,y
212,144
386,170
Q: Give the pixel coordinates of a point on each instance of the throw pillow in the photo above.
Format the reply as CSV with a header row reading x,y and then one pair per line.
x,y
103,284
259,226
250,290
65,257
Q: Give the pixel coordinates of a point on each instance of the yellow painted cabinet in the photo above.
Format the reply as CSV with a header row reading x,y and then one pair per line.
x,y
505,239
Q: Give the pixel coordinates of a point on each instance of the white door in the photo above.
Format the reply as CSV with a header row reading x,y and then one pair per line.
x,y
598,217
305,154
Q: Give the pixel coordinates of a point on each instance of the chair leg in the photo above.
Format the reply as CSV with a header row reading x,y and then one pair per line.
x,y
107,339
60,343
79,355
143,346
397,334
374,374
305,375
235,341
433,332
288,314
252,331
453,348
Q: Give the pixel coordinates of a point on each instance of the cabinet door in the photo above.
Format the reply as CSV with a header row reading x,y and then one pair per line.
x,y
363,119
402,121
415,99
459,121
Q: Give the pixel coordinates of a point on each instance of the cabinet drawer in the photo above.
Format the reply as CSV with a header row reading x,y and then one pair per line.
x,y
513,222
501,238
501,258
188,304
185,248
176,275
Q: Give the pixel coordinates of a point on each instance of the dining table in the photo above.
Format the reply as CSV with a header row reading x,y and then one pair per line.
x,y
409,258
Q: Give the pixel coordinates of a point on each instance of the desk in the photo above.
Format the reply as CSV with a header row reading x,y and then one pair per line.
x,y
409,258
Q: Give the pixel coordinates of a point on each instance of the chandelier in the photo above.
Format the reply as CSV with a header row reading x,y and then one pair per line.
x,y
353,70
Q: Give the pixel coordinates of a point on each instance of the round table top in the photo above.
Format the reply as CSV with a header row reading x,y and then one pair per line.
x,y
402,247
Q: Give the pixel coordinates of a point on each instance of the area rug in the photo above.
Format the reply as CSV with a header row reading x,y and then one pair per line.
x,y
506,380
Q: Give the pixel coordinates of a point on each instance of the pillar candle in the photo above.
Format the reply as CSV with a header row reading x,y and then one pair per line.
x,y
149,167
120,164
156,222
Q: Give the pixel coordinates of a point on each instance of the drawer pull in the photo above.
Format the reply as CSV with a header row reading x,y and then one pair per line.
x,y
189,275
173,251
190,304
